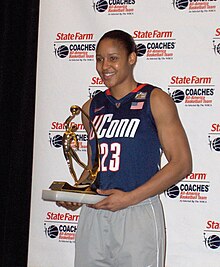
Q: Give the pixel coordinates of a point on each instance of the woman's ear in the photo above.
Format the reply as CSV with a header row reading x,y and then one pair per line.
x,y
132,58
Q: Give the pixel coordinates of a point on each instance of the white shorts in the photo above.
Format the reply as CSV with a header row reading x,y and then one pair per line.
x,y
132,237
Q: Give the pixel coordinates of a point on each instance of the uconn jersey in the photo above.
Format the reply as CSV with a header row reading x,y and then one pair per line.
x,y
129,144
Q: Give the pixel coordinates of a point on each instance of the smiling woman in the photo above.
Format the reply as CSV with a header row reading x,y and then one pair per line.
x,y
135,122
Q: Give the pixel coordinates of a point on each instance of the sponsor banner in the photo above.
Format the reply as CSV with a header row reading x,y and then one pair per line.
x,y
75,46
196,6
114,7
155,44
195,188
178,44
61,227
192,91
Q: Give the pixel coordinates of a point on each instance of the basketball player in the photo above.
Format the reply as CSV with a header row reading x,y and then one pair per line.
x,y
135,123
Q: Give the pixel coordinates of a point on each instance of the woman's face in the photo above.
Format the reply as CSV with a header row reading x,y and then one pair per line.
x,y
113,63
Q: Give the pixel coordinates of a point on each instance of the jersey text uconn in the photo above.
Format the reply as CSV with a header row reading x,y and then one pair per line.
x,y
108,128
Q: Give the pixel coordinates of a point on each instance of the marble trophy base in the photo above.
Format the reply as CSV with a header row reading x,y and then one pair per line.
x,y
62,191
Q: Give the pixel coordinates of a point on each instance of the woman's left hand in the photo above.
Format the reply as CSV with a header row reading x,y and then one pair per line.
x,y
115,200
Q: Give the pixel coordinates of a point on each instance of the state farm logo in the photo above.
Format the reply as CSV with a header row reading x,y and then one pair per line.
x,y
193,91
61,226
211,234
75,46
216,42
57,130
195,6
193,189
114,7
96,86
214,137
155,44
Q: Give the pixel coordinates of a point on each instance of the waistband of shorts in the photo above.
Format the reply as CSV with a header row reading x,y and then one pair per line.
x,y
147,201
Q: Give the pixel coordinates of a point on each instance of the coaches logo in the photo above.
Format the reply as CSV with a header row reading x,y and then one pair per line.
x,y
155,45
100,5
173,191
62,51
61,226
55,141
96,86
75,46
177,95
214,144
193,91
211,236
52,231
214,137
193,189
195,6
180,4
114,7
56,135
212,241
141,50
216,42
64,232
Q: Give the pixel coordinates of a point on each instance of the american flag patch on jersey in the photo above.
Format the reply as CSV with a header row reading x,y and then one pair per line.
x,y
137,105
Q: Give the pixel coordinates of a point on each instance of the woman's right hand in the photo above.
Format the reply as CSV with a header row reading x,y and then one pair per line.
x,y
69,205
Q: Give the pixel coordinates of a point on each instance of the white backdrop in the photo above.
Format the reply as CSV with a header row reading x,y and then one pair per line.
x,y
179,46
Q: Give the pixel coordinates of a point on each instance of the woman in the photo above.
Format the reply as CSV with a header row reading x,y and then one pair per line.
x,y
135,122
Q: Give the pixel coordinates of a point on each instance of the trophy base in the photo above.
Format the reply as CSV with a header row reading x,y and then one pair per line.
x,y
50,195
62,191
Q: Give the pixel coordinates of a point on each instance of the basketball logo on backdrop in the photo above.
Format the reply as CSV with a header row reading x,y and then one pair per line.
x,y
192,91
180,4
195,6
216,144
141,50
100,5
114,7
56,140
62,51
177,95
51,231
211,234
173,191
193,189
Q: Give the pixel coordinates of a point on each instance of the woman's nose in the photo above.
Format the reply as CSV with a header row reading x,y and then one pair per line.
x,y
105,64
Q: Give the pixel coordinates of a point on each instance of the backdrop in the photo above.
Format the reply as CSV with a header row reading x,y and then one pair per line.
x,y
179,51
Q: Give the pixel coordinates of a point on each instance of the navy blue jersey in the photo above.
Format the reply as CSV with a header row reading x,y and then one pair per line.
x,y
128,138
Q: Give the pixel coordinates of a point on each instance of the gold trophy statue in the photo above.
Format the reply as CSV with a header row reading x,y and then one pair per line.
x,y
85,191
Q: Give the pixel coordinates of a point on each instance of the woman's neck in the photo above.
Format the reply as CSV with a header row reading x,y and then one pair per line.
x,y
120,91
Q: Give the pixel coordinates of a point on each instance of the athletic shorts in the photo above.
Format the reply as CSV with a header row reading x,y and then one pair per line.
x,y
132,237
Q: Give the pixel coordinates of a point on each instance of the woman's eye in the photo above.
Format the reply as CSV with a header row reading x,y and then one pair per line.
x,y
113,58
98,59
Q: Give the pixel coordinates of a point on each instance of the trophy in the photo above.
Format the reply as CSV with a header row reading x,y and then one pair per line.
x,y
84,191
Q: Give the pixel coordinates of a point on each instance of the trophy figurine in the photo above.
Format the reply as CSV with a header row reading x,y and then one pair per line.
x,y
85,191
